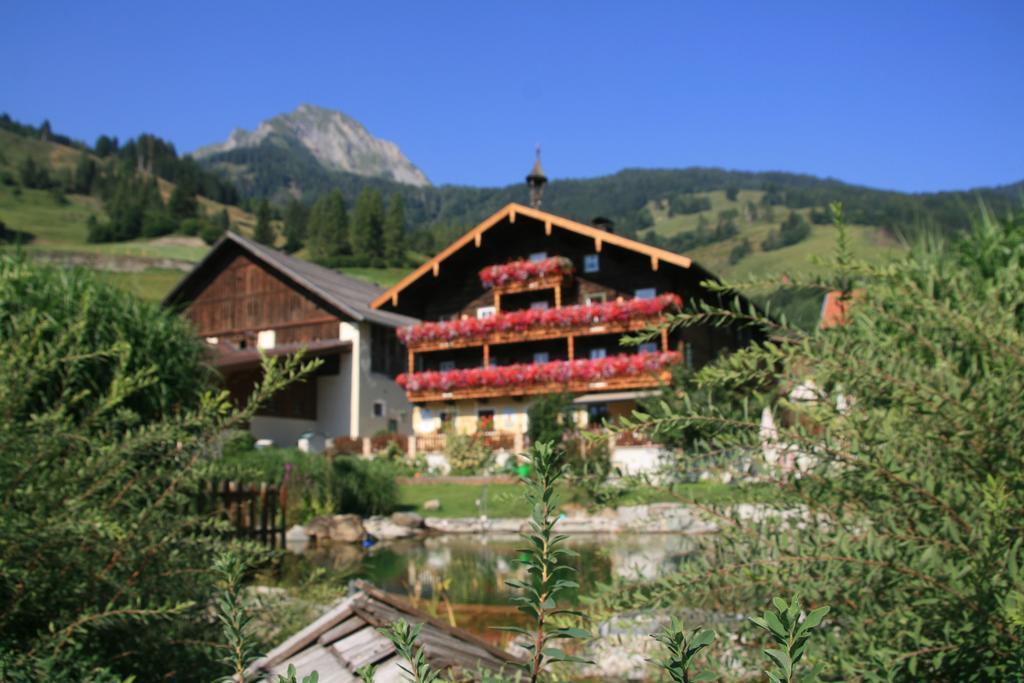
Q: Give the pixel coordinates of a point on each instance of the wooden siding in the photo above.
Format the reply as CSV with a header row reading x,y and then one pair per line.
x,y
245,297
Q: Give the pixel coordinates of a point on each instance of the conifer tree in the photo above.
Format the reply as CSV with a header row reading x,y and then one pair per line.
x,y
296,218
394,232
368,225
328,229
183,203
264,233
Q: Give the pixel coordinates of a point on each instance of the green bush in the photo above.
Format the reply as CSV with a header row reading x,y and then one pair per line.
x,y
466,454
108,421
909,476
364,487
315,485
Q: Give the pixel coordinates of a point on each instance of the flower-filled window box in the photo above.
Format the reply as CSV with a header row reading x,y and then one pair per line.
x,y
525,271
561,372
561,319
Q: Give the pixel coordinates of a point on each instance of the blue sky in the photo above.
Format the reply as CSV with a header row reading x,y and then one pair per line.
x,y
915,96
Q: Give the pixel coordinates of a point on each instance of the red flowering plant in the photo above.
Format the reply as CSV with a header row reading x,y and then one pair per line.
x,y
524,270
553,318
526,374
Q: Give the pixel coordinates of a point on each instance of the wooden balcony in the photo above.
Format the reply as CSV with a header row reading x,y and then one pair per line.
x,y
553,281
645,381
534,334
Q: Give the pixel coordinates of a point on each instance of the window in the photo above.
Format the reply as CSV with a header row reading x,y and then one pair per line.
x,y
386,355
446,365
591,263
378,408
485,420
646,293
393,426
597,413
541,357
598,353
539,306
595,298
538,255
649,347
484,312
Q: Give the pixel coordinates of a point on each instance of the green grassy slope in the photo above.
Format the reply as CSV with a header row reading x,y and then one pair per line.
x,y
57,230
868,242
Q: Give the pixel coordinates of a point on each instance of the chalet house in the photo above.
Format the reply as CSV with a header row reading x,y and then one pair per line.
x,y
530,303
245,299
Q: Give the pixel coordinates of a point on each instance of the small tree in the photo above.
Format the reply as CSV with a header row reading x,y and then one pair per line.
x,y
264,232
394,232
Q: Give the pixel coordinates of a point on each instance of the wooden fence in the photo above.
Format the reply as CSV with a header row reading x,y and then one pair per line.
x,y
257,511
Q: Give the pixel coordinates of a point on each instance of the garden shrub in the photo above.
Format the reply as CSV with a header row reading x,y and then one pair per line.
x,y
108,418
466,454
904,446
364,487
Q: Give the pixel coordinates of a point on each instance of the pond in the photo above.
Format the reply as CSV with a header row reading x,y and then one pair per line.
x,y
461,578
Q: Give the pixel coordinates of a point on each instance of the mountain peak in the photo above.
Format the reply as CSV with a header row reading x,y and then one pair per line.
x,y
336,140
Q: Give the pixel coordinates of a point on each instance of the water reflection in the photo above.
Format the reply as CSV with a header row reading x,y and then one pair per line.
x,y
477,566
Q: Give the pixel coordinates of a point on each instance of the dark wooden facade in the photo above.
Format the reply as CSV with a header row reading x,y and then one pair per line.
x,y
448,287
245,297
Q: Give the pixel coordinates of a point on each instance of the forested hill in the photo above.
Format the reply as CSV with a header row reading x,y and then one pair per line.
x,y
627,197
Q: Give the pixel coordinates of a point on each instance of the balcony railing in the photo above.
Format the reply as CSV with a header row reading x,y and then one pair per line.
x,y
613,317
524,274
624,371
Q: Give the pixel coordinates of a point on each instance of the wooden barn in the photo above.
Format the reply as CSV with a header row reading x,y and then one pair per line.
x,y
347,638
245,298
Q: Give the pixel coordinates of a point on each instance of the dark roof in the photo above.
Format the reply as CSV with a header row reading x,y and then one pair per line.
x,y
348,295
347,638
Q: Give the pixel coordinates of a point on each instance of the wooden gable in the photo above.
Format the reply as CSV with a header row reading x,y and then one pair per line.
x,y
243,297
448,285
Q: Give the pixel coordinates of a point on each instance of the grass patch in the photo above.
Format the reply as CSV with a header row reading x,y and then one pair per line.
x,y
507,500
151,284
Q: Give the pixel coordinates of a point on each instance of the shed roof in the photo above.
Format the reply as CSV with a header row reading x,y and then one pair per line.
x,y
347,294
346,638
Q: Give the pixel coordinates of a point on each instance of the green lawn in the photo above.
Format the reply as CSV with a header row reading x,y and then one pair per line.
x,y
151,284
868,242
507,500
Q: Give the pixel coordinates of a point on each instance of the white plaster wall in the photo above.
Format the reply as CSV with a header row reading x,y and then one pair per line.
x,y
372,387
332,399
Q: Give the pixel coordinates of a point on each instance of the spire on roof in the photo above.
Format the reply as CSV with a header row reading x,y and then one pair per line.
x,y
536,182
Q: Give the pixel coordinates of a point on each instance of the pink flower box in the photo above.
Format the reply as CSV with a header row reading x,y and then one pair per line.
x,y
565,318
527,374
524,270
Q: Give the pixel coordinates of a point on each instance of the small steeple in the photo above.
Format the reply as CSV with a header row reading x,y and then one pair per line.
x,y
536,182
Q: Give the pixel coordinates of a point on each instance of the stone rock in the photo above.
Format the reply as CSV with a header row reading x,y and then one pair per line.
x,y
297,534
433,504
337,528
383,529
409,519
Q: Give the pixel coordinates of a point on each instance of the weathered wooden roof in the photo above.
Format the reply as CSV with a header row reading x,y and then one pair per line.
x,y
347,638
347,294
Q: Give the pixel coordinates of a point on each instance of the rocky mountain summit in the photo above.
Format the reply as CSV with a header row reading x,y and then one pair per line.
x,y
337,141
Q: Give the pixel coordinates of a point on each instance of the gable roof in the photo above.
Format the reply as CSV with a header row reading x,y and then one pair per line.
x,y
346,638
346,294
550,221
